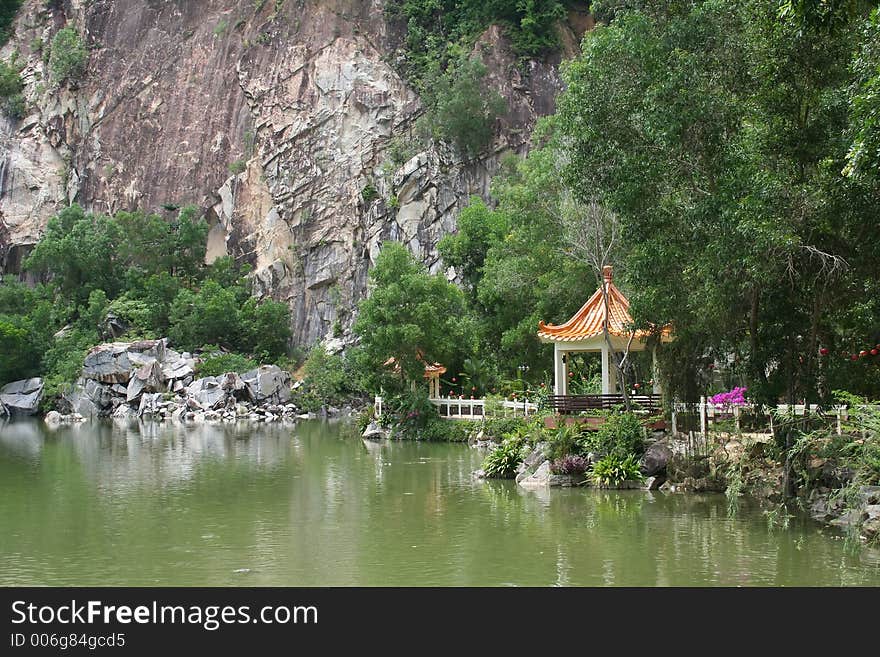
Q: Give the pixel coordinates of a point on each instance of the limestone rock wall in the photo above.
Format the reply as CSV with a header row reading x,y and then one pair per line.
x,y
273,116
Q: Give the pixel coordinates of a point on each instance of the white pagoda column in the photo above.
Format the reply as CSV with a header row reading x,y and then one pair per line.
x,y
560,371
609,372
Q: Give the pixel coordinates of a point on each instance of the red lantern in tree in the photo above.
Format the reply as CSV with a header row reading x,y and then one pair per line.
x,y
824,351
874,352
863,353
571,374
854,357
453,379
637,386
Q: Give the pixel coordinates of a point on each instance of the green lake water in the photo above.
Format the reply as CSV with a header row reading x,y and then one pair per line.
x,y
313,505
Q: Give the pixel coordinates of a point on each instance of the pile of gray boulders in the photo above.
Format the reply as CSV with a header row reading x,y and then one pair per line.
x,y
147,379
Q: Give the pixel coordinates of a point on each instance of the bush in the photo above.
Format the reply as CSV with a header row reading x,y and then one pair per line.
x,y
412,411
209,316
572,464
564,441
219,363
451,431
501,463
265,327
612,470
465,110
499,428
621,435
325,378
10,91
67,56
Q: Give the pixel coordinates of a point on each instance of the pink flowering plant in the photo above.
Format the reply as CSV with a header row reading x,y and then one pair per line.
x,y
731,398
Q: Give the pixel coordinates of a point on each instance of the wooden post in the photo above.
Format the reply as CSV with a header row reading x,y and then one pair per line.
x,y
736,418
674,420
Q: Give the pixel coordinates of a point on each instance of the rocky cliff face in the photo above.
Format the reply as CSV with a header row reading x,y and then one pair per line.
x,y
274,116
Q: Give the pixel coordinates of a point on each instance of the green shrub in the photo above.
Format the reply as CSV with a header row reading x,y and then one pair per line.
x,y
219,363
564,441
622,435
464,109
452,431
67,56
237,167
63,361
501,463
265,328
208,316
8,8
325,376
11,87
612,470
499,428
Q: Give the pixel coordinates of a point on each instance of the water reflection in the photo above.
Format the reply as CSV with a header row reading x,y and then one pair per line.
x,y
311,504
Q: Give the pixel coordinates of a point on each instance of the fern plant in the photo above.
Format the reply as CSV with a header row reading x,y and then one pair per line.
x,y
612,470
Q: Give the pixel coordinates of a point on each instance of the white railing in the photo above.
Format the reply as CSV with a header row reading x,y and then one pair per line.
x,y
467,409
453,408
710,413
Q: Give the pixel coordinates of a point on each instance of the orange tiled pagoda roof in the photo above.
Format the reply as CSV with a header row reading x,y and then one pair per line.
x,y
431,369
588,322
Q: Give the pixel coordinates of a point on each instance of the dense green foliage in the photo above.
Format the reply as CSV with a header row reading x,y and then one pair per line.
x,y
215,363
501,462
621,434
410,316
717,133
325,380
613,470
68,56
463,108
438,29
11,99
439,41
8,9
733,147
148,272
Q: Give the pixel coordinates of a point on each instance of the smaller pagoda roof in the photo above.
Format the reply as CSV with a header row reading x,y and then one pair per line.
x,y
588,322
431,369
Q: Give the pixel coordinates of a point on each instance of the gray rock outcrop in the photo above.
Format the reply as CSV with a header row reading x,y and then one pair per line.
x,y
22,397
268,383
540,477
302,97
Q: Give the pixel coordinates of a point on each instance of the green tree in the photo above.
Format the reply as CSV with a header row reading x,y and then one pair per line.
x,y
68,56
409,315
209,316
11,87
478,228
81,253
266,328
464,107
714,131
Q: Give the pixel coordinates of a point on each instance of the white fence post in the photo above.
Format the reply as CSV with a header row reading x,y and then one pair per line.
x,y
703,411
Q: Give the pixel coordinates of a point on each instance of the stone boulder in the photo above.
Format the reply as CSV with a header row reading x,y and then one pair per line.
x,y
655,459
113,362
101,395
374,432
22,397
147,378
151,403
268,383
175,367
205,393
539,478
81,404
